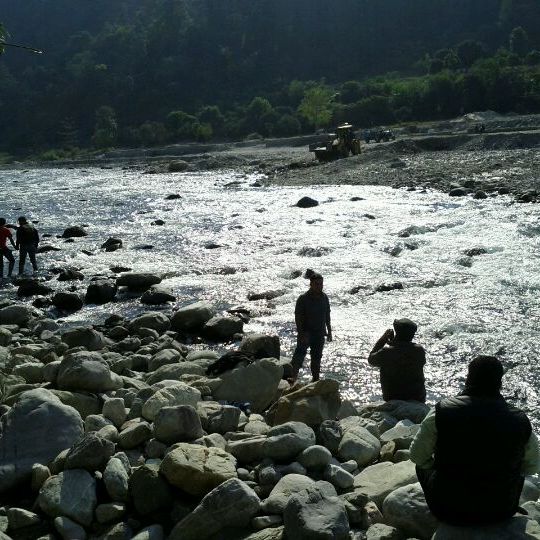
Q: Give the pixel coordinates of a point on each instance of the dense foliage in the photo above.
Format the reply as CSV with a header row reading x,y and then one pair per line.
x,y
146,72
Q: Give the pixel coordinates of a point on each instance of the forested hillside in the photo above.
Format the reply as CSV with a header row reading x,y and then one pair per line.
x,y
142,72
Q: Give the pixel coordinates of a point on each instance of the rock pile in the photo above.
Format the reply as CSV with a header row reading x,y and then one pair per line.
x,y
116,432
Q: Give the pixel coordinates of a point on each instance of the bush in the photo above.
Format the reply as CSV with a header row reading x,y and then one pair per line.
x,y
287,126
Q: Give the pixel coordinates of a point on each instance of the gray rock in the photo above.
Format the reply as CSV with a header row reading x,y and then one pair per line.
x,y
338,477
177,394
402,434
154,320
307,202
381,479
358,443
407,510
153,532
283,491
40,473
530,492
196,469
84,337
256,383
75,231
516,528
163,358
149,491
87,371
134,435
273,533
248,450
19,518
223,328
35,430
71,494
95,422
533,510
224,420
315,457
101,292
18,314
231,504
137,281
193,317
177,424
400,410
156,296
91,453
261,345
68,529
110,512
115,410
380,531
286,441
312,514
5,337
330,434
67,301
116,479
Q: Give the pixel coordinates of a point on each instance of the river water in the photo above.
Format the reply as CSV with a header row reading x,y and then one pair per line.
x,y
464,305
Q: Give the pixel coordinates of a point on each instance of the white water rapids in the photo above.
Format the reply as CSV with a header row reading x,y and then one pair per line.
x,y
464,305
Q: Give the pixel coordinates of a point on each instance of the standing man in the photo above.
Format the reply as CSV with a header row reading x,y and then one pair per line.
x,y
401,363
27,243
312,316
5,234
473,450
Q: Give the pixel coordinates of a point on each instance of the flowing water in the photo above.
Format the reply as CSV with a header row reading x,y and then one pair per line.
x,y
464,305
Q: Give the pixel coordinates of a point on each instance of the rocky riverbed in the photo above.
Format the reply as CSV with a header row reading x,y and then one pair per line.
x,y
126,431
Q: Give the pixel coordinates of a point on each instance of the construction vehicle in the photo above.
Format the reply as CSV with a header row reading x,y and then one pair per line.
x,y
339,145
378,135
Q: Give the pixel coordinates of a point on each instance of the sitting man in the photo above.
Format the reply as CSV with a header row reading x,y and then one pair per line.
x,y
401,363
473,450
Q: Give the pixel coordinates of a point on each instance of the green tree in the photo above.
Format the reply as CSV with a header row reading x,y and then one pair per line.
x,y
316,106
212,116
287,126
533,58
106,129
469,51
519,42
181,124
351,91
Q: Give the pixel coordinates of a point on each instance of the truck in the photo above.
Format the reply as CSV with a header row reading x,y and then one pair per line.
x,y
341,144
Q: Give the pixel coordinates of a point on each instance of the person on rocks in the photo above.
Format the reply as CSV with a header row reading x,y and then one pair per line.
x,y
5,235
27,243
401,363
312,316
473,450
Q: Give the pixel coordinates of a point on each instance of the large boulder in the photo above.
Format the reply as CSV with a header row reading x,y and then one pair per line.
x,y
402,434
193,317
84,336
196,469
176,394
71,494
316,513
286,441
256,383
288,486
75,231
312,404
357,443
175,371
67,301
87,371
137,281
149,490
232,504
91,453
379,480
516,528
16,314
261,345
35,430
157,295
116,479
101,292
177,424
155,320
223,328
406,509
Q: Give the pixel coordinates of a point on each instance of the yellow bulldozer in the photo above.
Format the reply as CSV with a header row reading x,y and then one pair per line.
x,y
339,145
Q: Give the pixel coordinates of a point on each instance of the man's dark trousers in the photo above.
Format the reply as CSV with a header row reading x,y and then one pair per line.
x,y
315,344
30,250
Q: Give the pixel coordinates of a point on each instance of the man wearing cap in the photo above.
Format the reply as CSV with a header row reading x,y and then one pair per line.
x,y
401,363
473,450
312,316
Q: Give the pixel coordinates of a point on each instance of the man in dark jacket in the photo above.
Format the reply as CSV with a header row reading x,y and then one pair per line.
x,y
312,316
401,363
473,450
27,243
